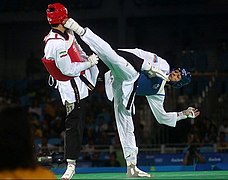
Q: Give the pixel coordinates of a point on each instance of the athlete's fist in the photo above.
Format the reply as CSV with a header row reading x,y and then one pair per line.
x,y
93,59
154,71
73,25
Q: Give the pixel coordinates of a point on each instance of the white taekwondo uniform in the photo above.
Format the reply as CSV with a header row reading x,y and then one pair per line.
x,y
119,84
67,56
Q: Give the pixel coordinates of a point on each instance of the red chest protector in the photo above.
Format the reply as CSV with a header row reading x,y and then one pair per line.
x,y
51,66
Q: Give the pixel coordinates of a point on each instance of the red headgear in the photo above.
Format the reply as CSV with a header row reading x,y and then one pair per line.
x,y
56,13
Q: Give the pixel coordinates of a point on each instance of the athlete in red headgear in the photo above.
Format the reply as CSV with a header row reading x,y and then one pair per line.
x,y
75,74
56,13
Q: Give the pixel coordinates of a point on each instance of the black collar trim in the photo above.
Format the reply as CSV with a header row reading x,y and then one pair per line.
x,y
65,34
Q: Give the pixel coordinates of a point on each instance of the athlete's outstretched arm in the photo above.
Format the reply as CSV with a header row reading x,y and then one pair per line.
x,y
169,118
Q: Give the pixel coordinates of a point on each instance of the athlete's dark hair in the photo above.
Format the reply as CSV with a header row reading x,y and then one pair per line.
x,y
54,25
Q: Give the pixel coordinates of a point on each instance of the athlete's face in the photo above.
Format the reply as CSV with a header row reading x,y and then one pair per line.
x,y
175,75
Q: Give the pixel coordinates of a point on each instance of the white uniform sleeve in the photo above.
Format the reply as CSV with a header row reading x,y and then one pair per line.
x,y
62,59
140,53
156,103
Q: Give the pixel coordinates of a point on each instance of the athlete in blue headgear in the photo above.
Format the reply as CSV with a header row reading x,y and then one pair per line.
x,y
185,78
135,72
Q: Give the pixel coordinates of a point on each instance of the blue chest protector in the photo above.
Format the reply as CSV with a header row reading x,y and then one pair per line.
x,y
148,86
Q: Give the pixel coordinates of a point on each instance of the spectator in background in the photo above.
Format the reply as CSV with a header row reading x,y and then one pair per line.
x,y
224,126
35,108
18,160
222,144
193,155
207,130
96,161
212,134
113,162
36,127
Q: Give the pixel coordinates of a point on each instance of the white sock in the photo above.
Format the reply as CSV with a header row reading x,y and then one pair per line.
x,y
71,162
131,160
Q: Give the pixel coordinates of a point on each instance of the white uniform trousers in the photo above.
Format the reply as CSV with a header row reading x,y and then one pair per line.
x,y
124,76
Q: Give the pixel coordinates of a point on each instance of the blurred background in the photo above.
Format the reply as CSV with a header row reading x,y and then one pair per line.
x,y
187,33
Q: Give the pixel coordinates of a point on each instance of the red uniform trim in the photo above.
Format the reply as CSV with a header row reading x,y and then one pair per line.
x,y
54,71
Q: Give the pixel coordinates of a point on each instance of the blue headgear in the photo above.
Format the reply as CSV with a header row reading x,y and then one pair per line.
x,y
185,79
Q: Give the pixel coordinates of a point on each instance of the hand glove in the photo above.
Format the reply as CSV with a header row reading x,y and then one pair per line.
x,y
191,112
154,71
93,59
73,25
